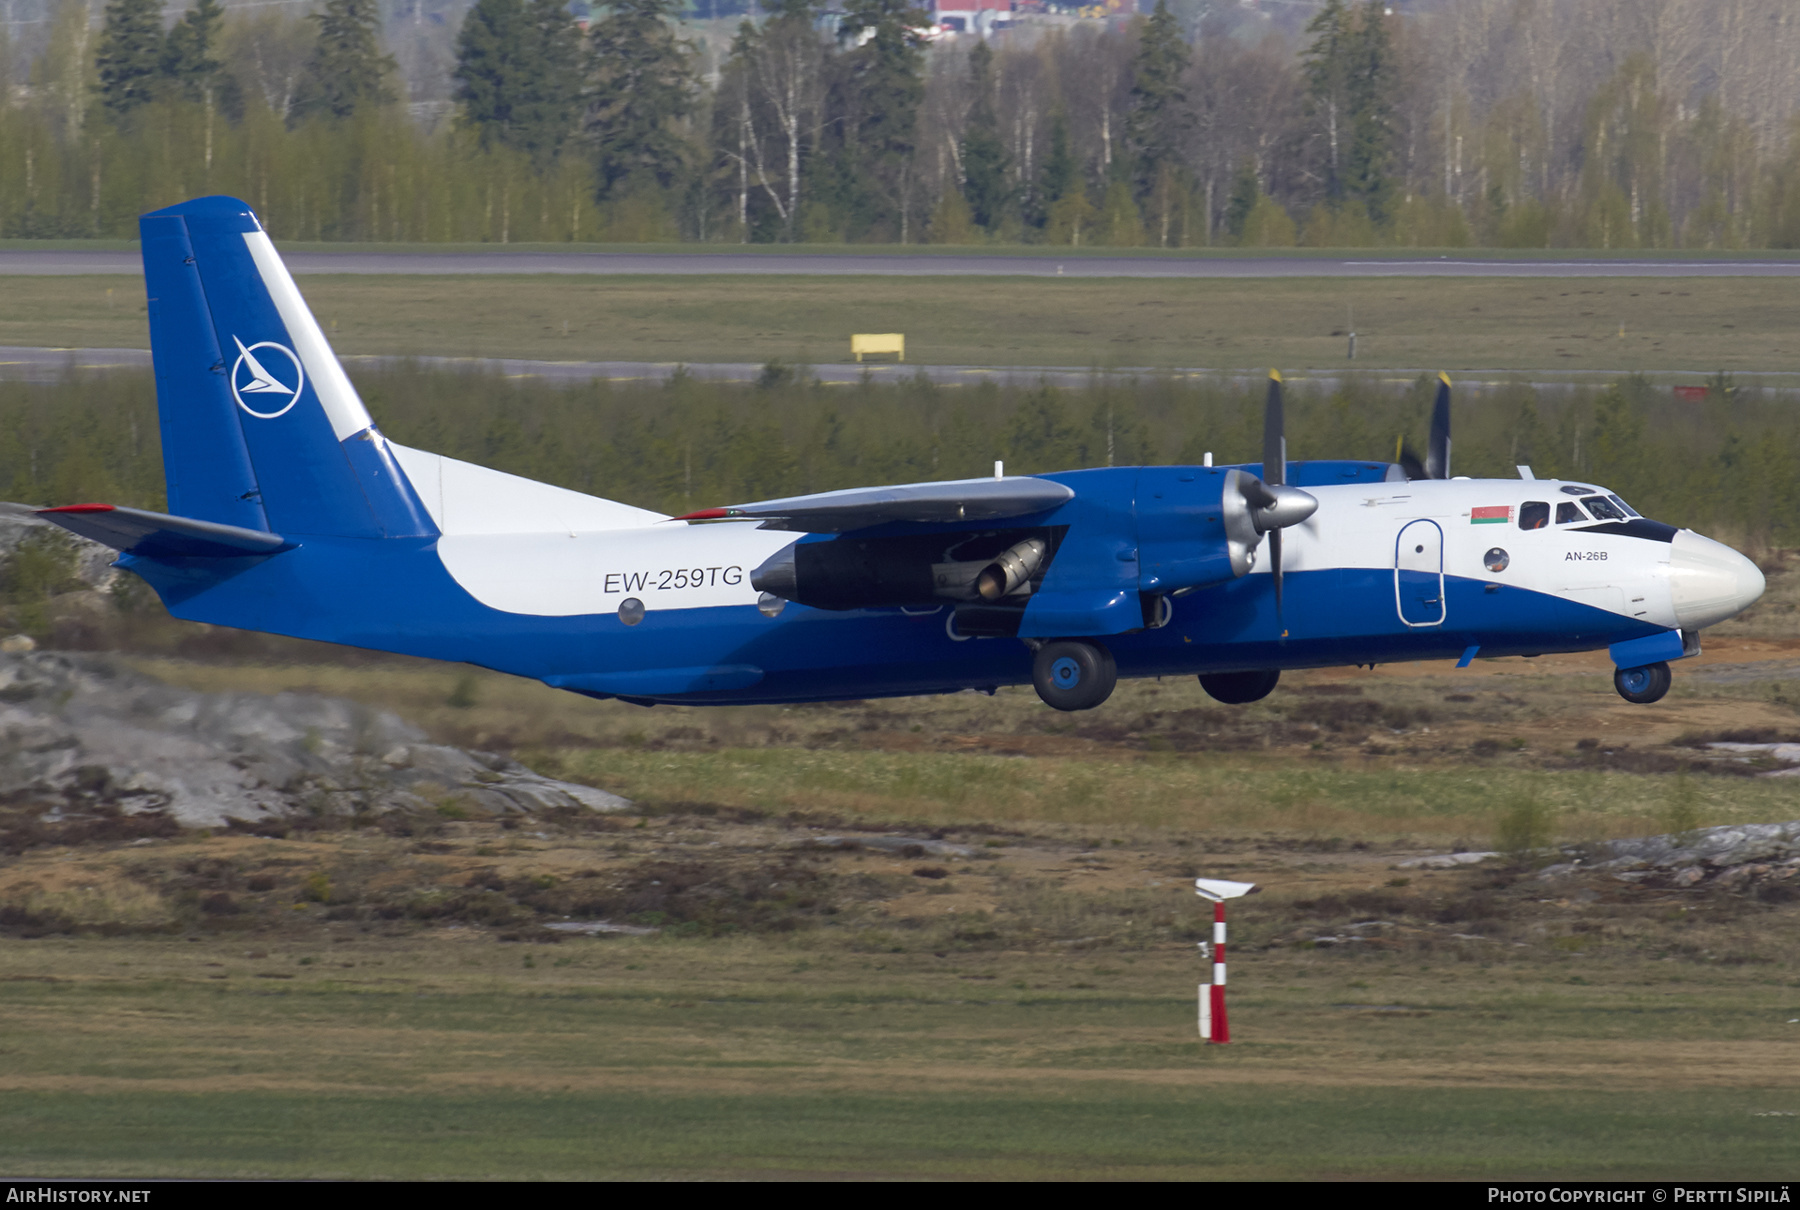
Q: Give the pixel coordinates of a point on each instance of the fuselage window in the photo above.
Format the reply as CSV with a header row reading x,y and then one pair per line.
x,y
1629,511
1534,514
1569,512
1604,509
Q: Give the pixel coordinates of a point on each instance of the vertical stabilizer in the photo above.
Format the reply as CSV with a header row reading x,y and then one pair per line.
x,y
261,427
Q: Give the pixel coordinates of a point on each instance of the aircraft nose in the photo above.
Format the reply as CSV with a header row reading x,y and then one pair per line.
x,y
1709,581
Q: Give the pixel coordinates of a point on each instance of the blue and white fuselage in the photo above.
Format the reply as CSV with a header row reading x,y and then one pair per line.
x,y
290,513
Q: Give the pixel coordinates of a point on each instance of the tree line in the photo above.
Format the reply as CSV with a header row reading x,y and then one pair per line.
x,y
1728,466
1507,123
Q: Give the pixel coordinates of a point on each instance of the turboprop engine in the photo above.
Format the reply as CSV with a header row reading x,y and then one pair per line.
x,y
1149,532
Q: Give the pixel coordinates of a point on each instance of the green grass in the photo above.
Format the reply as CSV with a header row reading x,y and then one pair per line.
x,y
1187,792
447,1058
1049,1133
1529,325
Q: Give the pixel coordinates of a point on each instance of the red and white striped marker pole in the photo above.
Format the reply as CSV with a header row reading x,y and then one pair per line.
x,y
1214,1027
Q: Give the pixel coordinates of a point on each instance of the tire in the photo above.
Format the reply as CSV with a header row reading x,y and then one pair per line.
x,y
1072,675
1240,688
1641,686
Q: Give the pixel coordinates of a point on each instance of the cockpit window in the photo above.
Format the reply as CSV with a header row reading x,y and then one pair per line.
x,y
1568,511
1604,509
1534,514
1628,509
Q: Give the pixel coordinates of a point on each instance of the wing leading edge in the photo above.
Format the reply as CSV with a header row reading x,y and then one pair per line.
x,y
860,507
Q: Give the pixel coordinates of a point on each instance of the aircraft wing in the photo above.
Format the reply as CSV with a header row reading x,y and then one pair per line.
x,y
860,507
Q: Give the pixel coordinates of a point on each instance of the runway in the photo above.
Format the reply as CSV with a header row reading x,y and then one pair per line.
x,y
22,263
48,365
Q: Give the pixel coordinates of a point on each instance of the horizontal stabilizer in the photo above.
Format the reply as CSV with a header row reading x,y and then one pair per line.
x,y
160,536
928,503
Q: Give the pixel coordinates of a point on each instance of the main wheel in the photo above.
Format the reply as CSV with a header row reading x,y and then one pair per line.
x,y
1071,675
1240,688
1641,686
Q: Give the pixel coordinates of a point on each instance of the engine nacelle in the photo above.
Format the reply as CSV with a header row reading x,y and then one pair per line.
x,y
1200,525
918,570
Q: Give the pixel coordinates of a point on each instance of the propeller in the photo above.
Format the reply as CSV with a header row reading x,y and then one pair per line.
x,y
1437,451
1274,468
1255,508
1437,455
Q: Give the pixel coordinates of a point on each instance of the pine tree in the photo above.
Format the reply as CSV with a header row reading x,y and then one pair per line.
x,y
643,85
130,55
518,74
1369,167
347,71
1060,174
490,50
187,62
1328,86
1350,69
985,162
879,105
1159,120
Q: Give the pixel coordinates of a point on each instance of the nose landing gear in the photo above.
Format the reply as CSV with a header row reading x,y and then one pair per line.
x,y
1644,685
1071,675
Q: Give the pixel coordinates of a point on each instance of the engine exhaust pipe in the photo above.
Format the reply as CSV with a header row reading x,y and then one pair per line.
x,y
1010,571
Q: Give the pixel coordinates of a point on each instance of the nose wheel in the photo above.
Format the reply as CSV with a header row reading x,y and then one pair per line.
x,y
1641,686
1072,675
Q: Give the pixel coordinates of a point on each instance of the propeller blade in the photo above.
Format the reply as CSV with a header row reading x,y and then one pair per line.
x,y
1410,464
1275,567
1437,455
1274,435
1274,469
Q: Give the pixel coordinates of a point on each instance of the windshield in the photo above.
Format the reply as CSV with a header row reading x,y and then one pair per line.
x,y
1632,511
1604,509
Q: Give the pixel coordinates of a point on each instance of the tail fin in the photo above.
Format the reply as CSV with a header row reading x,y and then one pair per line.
x,y
261,428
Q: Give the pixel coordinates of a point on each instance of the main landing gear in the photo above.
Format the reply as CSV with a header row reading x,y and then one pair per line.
x,y
1073,675
1641,686
1240,688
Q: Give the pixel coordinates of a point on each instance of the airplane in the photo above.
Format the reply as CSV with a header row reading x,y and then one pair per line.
x,y
291,513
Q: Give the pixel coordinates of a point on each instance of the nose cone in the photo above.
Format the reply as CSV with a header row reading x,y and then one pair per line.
x,y
1709,581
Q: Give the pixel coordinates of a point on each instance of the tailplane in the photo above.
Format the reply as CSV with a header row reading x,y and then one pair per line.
x,y
261,428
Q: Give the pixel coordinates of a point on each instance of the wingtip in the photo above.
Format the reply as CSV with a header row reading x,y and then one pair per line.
x,y
705,514
79,508
1274,375
1444,378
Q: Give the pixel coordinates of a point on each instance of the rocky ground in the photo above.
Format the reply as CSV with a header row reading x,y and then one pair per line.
x,y
85,742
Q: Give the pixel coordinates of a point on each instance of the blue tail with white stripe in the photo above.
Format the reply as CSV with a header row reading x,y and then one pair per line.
x,y
261,428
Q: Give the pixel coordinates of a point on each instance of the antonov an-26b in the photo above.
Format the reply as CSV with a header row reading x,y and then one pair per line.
x,y
289,512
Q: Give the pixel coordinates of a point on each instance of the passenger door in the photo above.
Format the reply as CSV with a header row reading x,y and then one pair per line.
x,y
1419,574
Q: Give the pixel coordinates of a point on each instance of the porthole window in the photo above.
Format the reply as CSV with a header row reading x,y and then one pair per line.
x,y
631,611
1496,560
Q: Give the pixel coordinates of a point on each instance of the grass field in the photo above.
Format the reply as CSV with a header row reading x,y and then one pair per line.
x,y
1693,325
384,1001
456,1056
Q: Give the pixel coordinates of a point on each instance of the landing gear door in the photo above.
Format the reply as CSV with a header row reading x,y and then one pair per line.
x,y
1419,574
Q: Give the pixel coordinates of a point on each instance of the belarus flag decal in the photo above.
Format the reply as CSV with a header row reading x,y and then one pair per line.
x,y
1493,514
